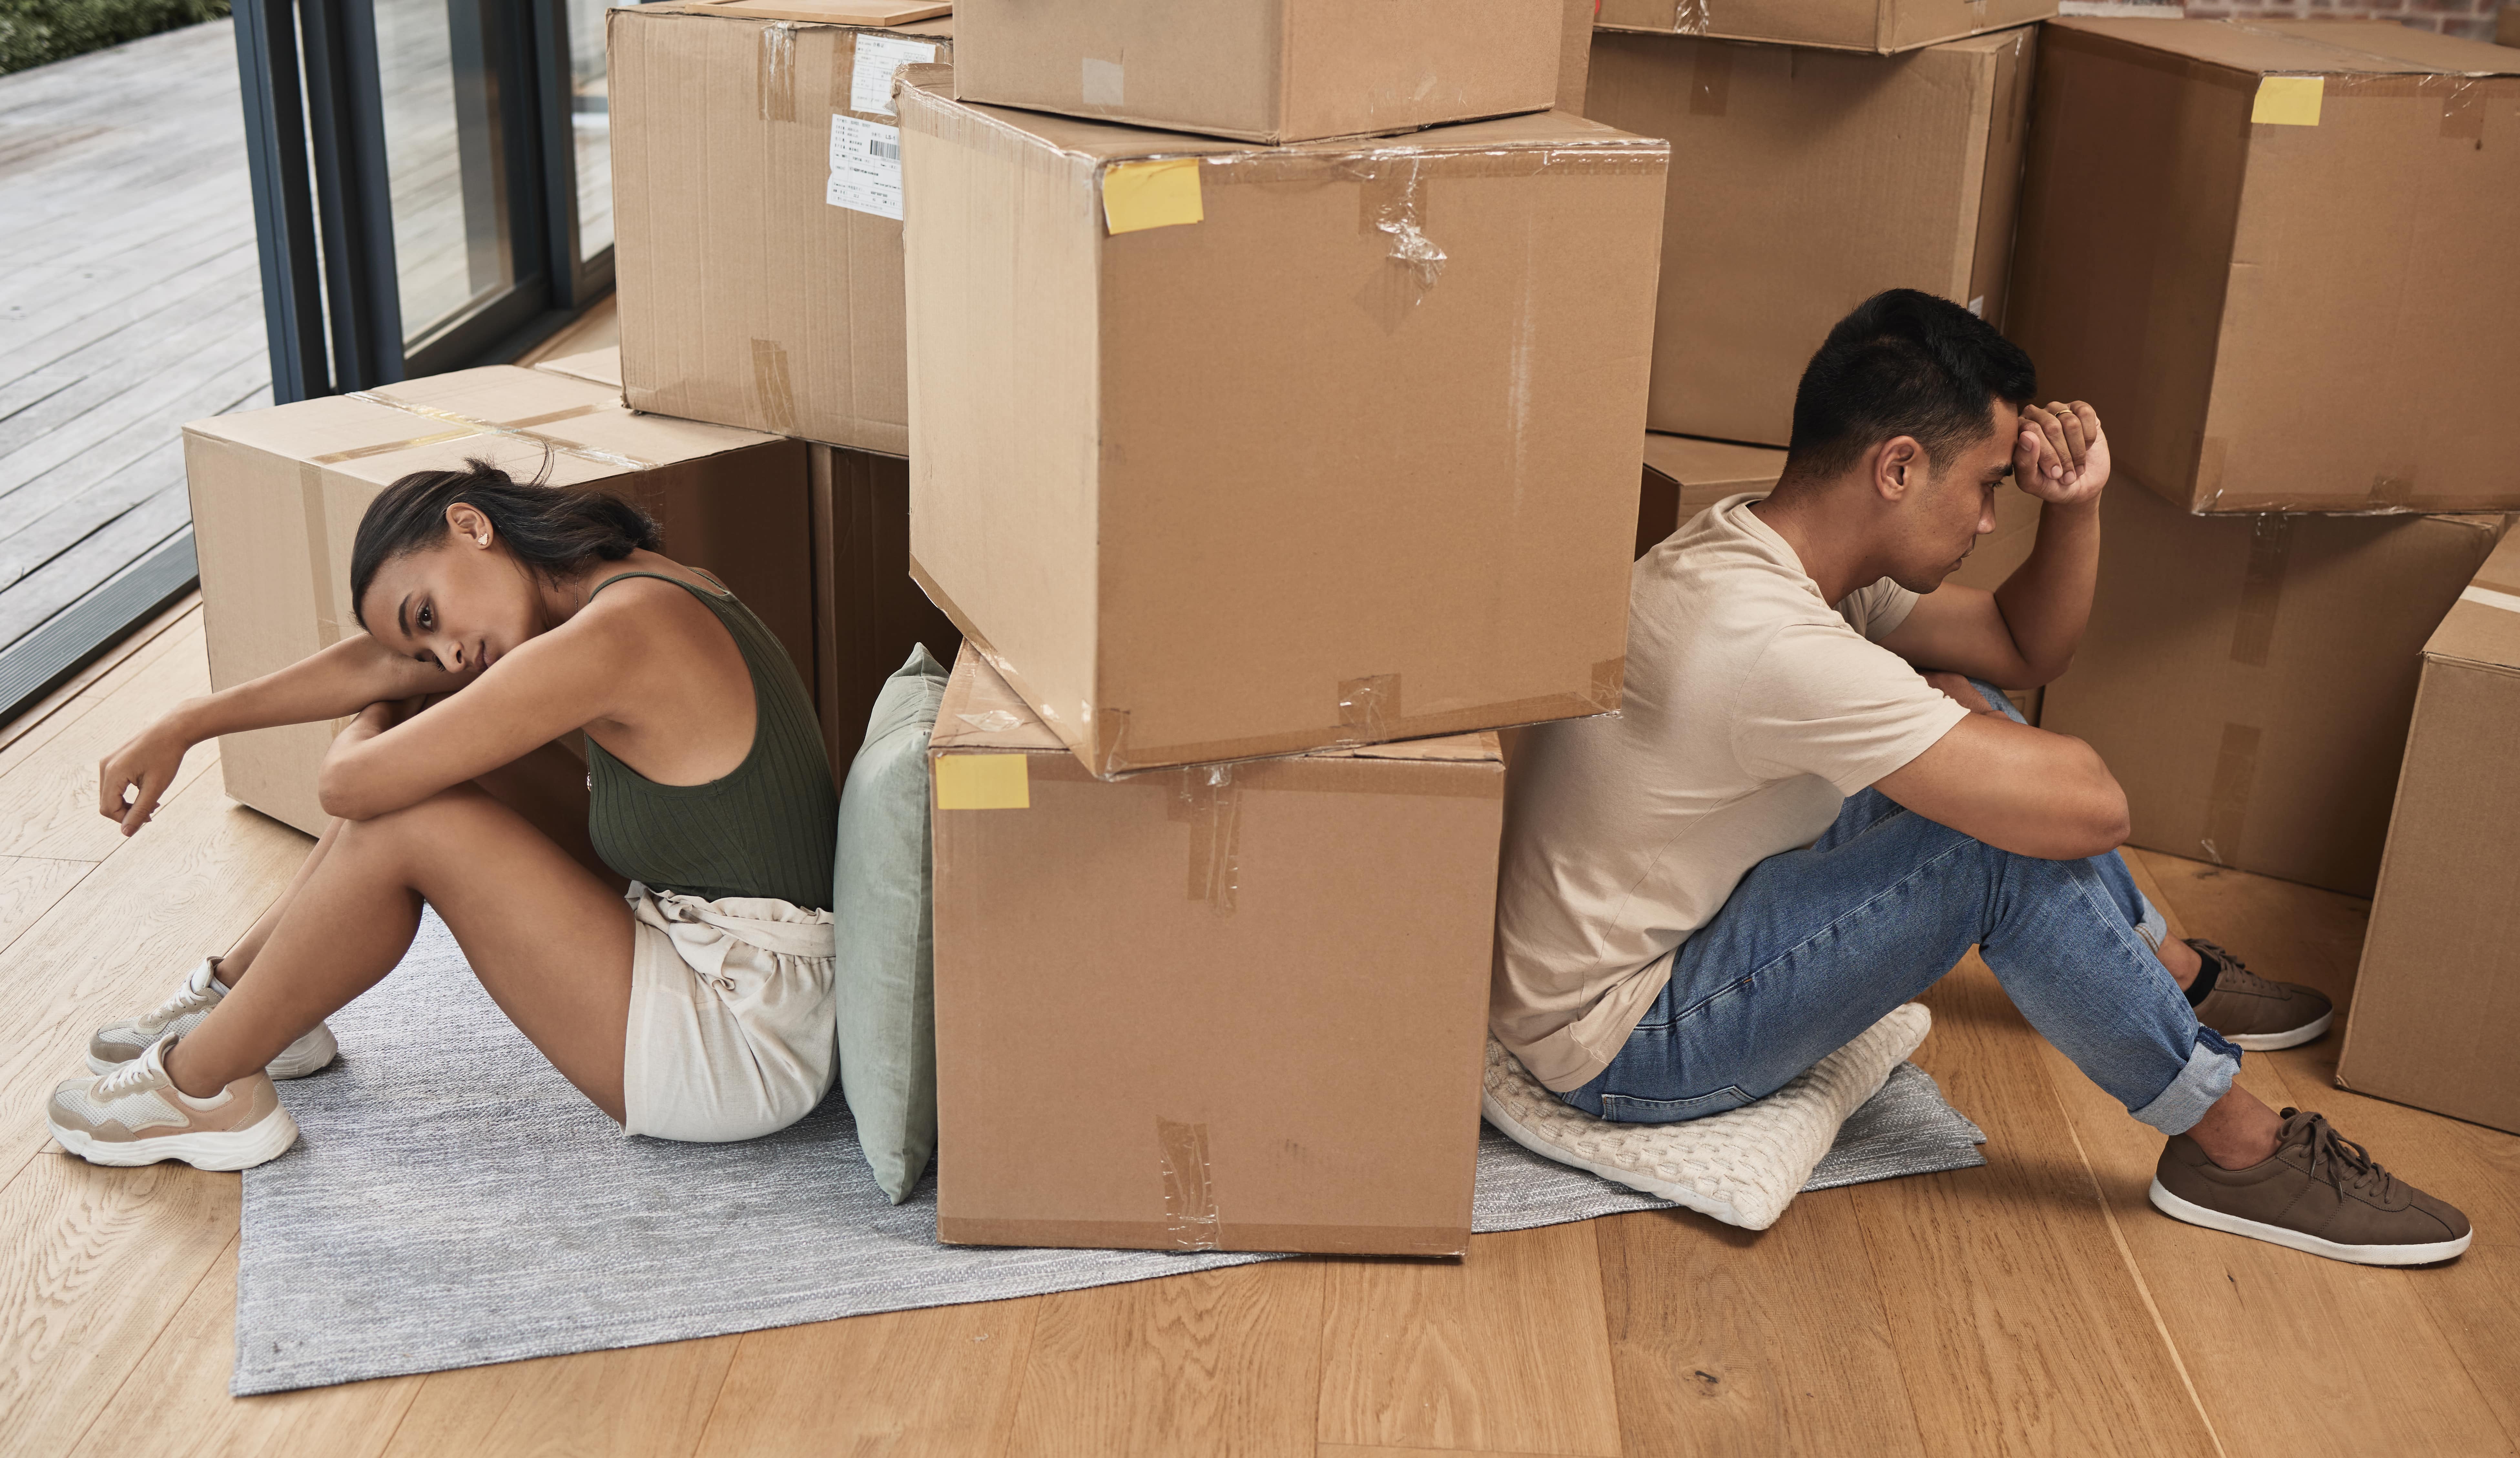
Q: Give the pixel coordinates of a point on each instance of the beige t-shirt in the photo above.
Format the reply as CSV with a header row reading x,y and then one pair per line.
x,y
1752,708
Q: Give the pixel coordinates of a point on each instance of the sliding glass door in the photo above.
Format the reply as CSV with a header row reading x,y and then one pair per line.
x,y
431,180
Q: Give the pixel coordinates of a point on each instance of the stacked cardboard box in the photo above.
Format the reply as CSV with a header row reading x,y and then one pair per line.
x,y
1253,463
2436,1007
277,496
2277,257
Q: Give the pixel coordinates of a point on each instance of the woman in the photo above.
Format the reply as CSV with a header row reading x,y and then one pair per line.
x,y
700,1009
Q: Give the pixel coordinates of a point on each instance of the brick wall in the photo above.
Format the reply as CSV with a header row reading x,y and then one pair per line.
x,y
2473,19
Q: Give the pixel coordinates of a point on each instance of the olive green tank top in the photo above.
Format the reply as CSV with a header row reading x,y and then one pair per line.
x,y
767,829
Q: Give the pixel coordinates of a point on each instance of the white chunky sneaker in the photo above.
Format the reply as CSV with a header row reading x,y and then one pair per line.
x,y
119,1043
137,1116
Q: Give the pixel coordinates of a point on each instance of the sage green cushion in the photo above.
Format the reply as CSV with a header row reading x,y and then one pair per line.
x,y
886,962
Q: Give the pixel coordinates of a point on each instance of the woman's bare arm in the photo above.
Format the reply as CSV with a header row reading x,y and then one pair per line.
x,y
542,689
337,681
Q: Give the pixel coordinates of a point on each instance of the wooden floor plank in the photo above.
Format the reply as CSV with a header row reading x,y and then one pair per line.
x,y
189,885
1505,1351
2016,1320
29,886
1728,1340
48,790
98,1264
636,1403
1223,1362
176,1404
941,1382
43,717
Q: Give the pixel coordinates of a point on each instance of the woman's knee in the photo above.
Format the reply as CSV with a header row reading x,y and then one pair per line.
x,y
434,820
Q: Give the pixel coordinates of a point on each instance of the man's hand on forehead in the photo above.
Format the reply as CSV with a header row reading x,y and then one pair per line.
x,y
2061,454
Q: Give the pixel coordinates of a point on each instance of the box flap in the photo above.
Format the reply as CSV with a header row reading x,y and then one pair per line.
x,y
501,410
981,711
1692,462
872,14
926,92
2484,625
603,366
2302,47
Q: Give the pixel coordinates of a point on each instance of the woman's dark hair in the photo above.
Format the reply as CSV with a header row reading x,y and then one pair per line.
x,y
1903,363
552,529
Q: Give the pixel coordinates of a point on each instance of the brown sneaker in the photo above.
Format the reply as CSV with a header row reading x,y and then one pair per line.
x,y
137,1116
2254,1013
2317,1193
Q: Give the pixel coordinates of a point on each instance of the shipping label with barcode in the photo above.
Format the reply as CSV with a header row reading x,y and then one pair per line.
x,y
871,71
866,168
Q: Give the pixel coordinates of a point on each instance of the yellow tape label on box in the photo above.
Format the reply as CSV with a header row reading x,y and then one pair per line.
x,y
983,782
2288,101
1152,195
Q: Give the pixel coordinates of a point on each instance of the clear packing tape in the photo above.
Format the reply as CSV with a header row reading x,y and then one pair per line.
x,y
330,618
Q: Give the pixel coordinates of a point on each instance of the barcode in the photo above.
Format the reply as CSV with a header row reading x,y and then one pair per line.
x,y
878,147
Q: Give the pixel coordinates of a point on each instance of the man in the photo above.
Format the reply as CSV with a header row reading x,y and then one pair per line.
x,y
1805,812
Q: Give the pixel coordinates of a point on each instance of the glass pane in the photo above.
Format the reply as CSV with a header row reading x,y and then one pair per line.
x,y
451,245
590,122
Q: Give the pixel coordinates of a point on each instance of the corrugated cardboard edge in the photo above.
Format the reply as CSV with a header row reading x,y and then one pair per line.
x,y
1608,681
1876,48
1154,1234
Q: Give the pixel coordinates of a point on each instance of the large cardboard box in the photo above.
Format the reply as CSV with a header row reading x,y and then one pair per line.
x,y
868,612
1235,1007
756,211
2277,257
2249,679
1877,26
1262,70
1223,451
1574,55
1802,183
277,496
1685,476
2437,1008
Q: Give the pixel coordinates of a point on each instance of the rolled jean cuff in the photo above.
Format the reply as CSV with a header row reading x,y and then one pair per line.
x,y
2199,1086
2153,927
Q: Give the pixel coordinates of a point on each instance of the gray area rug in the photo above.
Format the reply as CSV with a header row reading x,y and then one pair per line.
x,y
453,1202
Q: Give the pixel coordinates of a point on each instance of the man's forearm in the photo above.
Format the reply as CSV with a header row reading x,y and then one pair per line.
x,y
2047,601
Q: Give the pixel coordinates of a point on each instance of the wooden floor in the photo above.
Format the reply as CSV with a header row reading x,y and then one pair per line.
x,y
131,302
2035,1306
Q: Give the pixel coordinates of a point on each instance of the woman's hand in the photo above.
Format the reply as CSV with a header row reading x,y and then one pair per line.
x,y
145,765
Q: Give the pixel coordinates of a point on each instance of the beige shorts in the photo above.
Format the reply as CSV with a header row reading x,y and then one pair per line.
x,y
734,1018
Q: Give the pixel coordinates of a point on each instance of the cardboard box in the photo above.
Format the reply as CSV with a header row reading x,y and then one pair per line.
x,y
1878,25
868,612
1328,443
1235,1007
756,206
1574,55
1262,70
2277,257
2249,679
277,496
1685,476
597,366
2436,1007
1802,183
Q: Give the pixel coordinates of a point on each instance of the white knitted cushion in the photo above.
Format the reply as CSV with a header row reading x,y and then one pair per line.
x,y
1741,1166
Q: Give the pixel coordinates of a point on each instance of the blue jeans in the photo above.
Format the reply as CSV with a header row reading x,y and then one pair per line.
x,y
1815,946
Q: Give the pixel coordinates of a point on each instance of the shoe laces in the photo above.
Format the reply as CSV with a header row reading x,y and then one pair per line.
x,y
2341,1162
2235,974
187,999
126,1079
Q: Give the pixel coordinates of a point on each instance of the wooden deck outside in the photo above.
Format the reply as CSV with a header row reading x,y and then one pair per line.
x,y
2036,1305
131,302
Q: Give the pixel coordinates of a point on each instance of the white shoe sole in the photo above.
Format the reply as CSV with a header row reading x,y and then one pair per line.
x,y
2255,1042
235,1149
2196,1214
310,1053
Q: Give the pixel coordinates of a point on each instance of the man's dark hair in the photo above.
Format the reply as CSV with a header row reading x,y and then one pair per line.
x,y
1903,363
552,529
